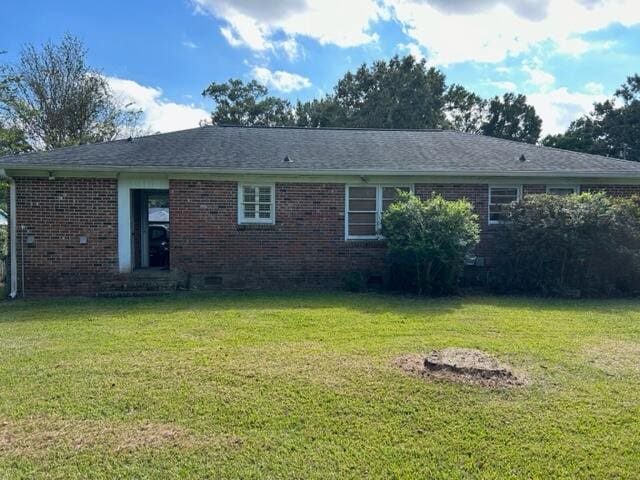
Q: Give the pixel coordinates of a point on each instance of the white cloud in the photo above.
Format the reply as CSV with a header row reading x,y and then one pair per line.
x,y
412,49
189,44
538,77
559,107
504,85
492,30
452,30
160,115
290,48
280,80
257,24
594,88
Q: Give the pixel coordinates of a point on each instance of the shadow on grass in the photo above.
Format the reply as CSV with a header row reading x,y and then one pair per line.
x,y
59,309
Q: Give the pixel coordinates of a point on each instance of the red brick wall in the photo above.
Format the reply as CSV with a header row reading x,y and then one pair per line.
x,y
57,212
306,246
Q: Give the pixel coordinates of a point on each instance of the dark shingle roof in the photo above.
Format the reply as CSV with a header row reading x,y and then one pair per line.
x,y
325,150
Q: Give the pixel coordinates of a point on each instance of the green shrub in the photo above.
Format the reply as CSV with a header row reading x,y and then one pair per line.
x,y
3,242
575,245
428,242
354,281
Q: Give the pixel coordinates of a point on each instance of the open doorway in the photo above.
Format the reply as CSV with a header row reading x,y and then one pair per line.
x,y
150,218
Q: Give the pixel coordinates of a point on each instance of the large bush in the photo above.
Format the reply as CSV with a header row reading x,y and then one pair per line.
x,y
428,241
577,245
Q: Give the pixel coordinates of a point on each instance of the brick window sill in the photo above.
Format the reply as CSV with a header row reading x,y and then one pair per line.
x,y
256,226
354,243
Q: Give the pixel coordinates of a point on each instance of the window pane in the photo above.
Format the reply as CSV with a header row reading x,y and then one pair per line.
x,y
362,192
266,214
369,218
264,207
249,194
362,230
501,197
265,195
249,211
504,195
362,205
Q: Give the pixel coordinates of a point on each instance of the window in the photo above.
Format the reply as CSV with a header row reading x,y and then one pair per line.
x,y
499,199
562,190
364,208
256,204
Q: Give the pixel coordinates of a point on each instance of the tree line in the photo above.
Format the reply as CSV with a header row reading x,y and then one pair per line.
x,y
52,98
400,93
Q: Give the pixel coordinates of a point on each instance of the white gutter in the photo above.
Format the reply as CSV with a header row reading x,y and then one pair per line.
x,y
620,174
13,268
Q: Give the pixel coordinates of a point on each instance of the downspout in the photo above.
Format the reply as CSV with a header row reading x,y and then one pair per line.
x,y
13,261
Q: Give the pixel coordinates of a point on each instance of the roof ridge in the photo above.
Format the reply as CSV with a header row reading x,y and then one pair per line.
x,y
363,129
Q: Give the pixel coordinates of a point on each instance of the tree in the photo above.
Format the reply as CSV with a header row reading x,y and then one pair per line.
x,y
400,93
57,100
320,113
239,103
510,117
465,111
611,129
12,140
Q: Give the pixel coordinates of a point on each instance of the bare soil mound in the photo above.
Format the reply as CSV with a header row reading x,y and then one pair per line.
x,y
462,365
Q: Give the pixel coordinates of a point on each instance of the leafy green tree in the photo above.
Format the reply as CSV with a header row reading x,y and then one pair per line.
x,y
56,99
400,93
465,111
429,240
12,140
510,117
239,103
324,112
611,129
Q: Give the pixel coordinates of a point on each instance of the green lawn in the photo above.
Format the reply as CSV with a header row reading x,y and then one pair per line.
x,y
304,386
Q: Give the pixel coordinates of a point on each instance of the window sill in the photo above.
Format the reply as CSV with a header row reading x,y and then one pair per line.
x,y
256,226
366,243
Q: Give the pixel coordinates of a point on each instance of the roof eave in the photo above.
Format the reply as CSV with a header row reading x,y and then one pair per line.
x,y
337,172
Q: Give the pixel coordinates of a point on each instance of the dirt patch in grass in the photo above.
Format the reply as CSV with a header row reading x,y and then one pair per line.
x,y
615,356
39,436
462,365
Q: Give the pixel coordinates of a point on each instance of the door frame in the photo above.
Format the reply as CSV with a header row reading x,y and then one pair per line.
x,y
125,185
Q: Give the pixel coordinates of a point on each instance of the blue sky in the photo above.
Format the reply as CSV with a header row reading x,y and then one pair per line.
x,y
564,54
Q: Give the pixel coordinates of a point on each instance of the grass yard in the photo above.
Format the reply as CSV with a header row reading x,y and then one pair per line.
x,y
304,386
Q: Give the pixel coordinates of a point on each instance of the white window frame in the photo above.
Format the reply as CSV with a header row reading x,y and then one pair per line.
x,y
379,189
240,204
519,198
574,187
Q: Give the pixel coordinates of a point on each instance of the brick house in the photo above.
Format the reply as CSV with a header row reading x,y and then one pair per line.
x,y
260,207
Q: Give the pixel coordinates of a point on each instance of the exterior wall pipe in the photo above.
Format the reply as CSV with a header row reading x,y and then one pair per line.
x,y
13,261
